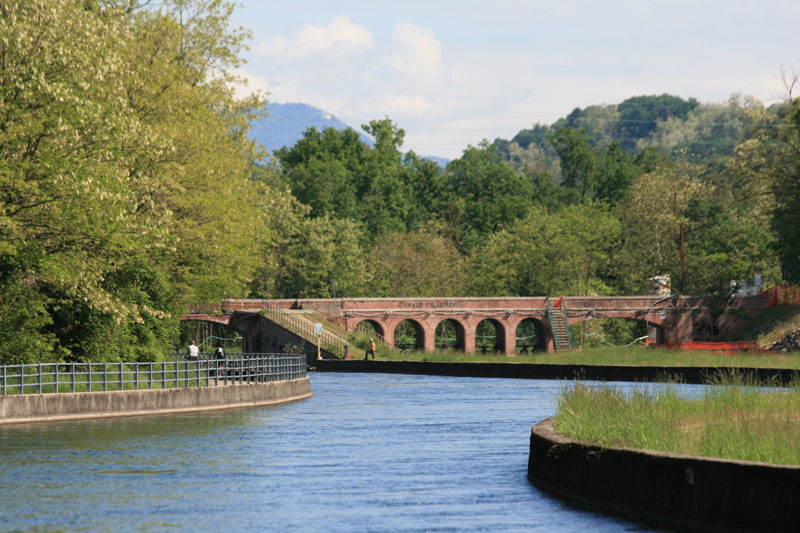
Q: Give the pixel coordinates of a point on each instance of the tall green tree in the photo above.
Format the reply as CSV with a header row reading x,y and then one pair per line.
x,y
419,263
323,170
567,252
652,216
121,143
321,256
485,195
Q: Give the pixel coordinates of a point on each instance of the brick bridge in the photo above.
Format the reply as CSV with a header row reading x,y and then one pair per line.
x,y
670,319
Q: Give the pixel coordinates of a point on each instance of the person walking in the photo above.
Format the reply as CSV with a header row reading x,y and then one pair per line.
x,y
194,352
370,350
219,355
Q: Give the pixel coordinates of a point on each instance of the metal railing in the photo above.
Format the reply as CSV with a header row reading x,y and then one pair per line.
x,y
51,378
306,329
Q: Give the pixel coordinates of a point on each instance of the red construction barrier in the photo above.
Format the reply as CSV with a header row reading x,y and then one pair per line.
x,y
723,348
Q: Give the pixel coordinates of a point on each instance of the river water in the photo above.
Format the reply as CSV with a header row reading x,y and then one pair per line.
x,y
368,452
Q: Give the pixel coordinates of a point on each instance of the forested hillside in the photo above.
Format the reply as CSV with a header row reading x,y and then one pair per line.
x,y
130,188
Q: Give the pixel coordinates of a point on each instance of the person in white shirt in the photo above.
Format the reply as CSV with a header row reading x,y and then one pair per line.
x,y
194,352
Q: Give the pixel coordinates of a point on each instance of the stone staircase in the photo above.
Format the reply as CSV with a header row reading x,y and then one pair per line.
x,y
562,339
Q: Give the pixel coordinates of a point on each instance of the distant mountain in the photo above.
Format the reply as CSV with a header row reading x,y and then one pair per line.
x,y
287,122
441,161
285,125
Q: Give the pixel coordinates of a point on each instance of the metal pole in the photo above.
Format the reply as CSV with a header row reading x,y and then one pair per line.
x,y
680,286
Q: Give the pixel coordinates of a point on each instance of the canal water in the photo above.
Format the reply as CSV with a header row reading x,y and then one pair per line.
x,y
368,452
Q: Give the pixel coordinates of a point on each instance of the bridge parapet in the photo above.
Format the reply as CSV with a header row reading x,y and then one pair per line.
x,y
676,317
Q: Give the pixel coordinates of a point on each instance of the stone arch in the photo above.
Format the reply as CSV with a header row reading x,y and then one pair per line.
x,y
705,329
634,328
209,330
409,334
369,326
449,334
531,335
490,336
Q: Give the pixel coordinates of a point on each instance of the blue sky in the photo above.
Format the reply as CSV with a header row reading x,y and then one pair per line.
x,y
451,74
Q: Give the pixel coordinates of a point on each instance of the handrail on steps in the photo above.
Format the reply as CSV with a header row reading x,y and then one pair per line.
x,y
306,329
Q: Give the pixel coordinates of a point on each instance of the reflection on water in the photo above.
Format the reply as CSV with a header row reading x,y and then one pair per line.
x,y
368,452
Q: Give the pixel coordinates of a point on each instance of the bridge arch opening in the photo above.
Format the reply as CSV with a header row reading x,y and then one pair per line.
x,y
705,330
531,336
208,335
449,335
614,332
490,336
409,335
371,327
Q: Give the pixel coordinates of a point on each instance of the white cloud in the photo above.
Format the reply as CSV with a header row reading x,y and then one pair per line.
x,y
511,63
393,105
408,104
341,35
419,50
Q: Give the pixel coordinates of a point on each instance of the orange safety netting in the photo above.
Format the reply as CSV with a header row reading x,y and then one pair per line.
x,y
724,348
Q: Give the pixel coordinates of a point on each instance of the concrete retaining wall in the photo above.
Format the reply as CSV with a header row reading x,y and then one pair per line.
x,y
548,371
687,492
71,406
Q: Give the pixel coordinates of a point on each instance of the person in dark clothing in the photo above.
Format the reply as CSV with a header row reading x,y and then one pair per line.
x,y
219,355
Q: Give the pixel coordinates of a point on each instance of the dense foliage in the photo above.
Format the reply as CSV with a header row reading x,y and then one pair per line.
x,y
129,188
122,150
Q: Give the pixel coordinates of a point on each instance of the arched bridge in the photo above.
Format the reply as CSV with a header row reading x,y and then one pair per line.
x,y
670,319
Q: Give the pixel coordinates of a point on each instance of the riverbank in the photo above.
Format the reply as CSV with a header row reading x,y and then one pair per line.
x,y
557,371
732,419
23,408
687,492
603,355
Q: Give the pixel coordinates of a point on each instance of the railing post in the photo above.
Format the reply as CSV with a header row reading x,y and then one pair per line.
x,y
150,378
4,379
121,377
89,377
39,377
56,378
105,376
72,377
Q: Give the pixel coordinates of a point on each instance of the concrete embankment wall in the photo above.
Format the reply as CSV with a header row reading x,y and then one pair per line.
x,y
72,406
547,371
687,492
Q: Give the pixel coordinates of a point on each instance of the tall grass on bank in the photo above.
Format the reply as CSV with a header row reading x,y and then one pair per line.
x,y
734,419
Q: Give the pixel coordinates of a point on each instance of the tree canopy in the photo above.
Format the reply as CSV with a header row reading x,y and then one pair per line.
x,y
129,188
